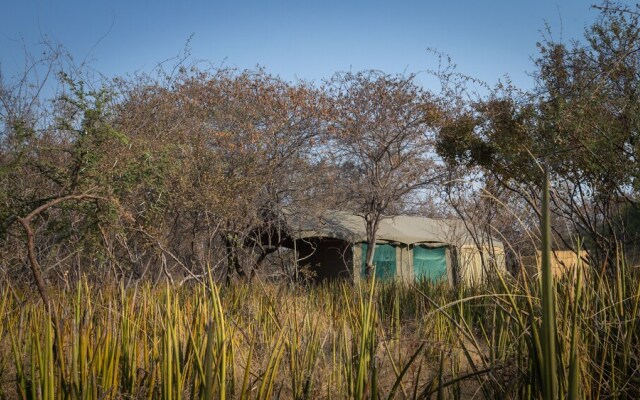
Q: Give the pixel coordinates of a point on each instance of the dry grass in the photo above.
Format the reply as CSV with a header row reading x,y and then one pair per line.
x,y
263,341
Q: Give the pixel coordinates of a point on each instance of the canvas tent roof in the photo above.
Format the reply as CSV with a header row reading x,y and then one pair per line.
x,y
401,229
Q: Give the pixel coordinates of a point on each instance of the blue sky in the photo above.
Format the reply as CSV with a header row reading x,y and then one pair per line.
x,y
296,39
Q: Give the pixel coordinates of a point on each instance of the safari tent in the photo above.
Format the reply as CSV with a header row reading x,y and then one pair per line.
x,y
408,248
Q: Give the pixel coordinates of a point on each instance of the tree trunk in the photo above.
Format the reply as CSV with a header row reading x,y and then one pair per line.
x,y
34,265
233,261
371,225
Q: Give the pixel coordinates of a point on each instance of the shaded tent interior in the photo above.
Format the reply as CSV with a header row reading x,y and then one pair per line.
x,y
334,246
325,257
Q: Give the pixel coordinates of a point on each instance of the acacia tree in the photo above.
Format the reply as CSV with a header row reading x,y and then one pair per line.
x,y
239,148
263,131
383,144
582,120
55,176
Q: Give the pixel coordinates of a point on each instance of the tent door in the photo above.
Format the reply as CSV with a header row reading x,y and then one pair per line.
x,y
384,259
430,263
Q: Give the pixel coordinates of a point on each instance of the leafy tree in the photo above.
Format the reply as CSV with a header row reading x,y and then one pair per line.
x,y
383,144
581,120
239,147
57,180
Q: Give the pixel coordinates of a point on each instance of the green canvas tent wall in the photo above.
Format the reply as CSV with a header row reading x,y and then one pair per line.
x,y
408,248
